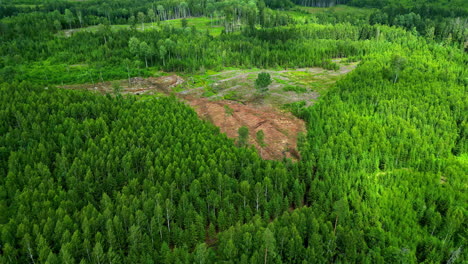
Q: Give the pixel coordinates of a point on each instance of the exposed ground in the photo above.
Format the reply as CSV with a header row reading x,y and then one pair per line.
x,y
281,129
137,85
229,100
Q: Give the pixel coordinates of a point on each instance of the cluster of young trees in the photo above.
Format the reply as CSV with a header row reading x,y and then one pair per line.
x,y
342,231
99,178
111,54
442,20
391,129
78,14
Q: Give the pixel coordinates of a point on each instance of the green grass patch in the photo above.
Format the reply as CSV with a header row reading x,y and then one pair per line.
x,y
296,108
211,72
178,88
200,23
298,73
232,95
208,94
281,81
319,82
297,89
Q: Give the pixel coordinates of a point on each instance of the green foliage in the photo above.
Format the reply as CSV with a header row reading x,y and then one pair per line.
x,y
208,93
261,138
108,161
228,110
442,20
330,65
397,64
262,82
232,95
296,89
243,138
116,88
93,179
184,23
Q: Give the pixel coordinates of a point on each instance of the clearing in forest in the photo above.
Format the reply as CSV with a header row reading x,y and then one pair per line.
x,y
229,100
288,86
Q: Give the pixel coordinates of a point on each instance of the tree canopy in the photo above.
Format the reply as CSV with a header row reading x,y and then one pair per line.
x,y
89,178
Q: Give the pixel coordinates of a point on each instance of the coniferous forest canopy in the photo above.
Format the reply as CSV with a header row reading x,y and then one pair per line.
x,y
120,178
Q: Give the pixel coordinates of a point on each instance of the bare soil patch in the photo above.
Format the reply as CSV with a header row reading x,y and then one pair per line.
x,y
281,129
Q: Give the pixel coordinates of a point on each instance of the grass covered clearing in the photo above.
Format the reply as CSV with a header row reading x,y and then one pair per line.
x,y
288,86
303,14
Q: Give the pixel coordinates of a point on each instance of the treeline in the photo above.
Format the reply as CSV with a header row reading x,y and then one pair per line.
x,y
93,12
320,3
452,30
232,15
109,54
440,20
446,8
68,15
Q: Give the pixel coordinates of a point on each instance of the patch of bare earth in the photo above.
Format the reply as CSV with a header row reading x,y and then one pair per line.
x,y
280,129
137,85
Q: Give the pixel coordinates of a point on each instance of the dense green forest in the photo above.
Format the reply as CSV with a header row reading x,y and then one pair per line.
x,y
88,178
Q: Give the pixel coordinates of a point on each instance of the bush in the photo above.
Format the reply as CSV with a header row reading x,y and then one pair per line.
x,y
262,82
296,89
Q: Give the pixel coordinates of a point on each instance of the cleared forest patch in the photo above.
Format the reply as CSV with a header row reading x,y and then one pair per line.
x,y
288,86
281,129
229,100
136,85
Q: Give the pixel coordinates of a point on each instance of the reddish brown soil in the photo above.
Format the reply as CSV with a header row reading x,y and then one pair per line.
x,y
280,129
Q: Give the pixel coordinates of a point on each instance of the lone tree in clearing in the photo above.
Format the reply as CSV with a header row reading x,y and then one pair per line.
x,y
262,82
